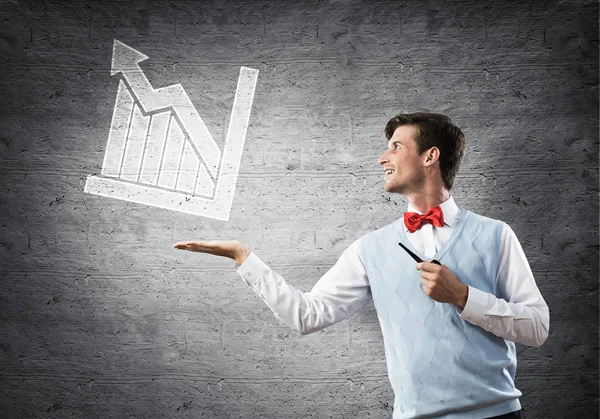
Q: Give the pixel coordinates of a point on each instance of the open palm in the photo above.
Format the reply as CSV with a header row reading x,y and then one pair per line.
x,y
229,248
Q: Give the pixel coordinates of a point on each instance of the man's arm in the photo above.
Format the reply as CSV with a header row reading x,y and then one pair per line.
x,y
343,290
521,314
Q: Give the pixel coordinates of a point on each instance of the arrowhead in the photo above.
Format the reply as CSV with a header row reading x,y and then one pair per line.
x,y
125,58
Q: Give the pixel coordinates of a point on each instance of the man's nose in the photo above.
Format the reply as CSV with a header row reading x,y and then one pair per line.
x,y
383,158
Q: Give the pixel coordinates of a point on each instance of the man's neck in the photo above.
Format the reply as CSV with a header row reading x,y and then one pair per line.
x,y
426,200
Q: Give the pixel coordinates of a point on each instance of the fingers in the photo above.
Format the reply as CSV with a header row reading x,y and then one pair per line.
x,y
427,289
194,246
431,285
183,245
429,276
429,267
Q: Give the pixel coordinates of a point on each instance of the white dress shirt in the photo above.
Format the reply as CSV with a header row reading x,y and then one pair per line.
x,y
519,315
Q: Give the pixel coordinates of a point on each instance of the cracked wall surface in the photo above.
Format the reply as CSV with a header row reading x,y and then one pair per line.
x,y
101,317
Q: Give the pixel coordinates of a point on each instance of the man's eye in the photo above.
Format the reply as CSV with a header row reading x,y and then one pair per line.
x,y
396,146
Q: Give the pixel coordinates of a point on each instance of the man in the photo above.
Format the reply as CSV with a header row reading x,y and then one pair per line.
x,y
449,329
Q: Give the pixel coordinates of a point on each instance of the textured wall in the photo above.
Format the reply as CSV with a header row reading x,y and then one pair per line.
x,y
100,316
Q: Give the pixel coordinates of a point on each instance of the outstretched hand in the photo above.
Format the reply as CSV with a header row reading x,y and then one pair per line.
x,y
229,248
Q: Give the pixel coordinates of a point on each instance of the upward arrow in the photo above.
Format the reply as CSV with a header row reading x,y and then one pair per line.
x,y
126,60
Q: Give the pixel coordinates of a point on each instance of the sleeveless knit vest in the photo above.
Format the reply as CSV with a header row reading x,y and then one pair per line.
x,y
440,365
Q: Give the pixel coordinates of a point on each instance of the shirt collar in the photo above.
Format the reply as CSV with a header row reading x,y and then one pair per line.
x,y
449,208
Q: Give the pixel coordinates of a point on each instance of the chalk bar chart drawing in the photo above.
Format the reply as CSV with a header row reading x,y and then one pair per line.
x,y
160,153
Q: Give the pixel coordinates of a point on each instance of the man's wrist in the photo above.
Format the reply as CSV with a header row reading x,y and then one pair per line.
x,y
241,255
463,297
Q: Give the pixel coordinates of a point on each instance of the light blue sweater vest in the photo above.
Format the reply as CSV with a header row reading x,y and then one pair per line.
x,y
440,365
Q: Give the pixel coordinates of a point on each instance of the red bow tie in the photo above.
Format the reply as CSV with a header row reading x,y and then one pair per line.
x,y
414,221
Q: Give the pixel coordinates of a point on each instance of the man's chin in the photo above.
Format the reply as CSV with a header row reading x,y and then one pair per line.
x,y
392,189
388,188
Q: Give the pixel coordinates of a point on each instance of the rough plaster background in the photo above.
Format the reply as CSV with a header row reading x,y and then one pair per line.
x,y
101,317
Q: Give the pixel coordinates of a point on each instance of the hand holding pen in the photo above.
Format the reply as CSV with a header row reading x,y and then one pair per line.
x,y
439,283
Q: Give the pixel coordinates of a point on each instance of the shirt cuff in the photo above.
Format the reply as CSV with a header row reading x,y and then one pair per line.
x,y
251,269
474,310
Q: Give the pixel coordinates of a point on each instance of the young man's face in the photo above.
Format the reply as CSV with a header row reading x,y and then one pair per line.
x,y
403,159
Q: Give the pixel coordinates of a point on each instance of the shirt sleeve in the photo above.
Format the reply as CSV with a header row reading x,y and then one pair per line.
x,y
521,314
341,291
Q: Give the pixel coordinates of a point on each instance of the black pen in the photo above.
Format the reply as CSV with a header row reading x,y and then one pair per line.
x,y
415,257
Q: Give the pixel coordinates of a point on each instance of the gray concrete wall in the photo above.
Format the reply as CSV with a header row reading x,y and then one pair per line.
x,y
101,317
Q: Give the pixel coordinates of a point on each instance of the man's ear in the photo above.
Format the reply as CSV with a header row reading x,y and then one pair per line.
x,y
432,155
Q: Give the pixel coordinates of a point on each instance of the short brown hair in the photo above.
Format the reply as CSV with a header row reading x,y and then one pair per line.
x,y
434,130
